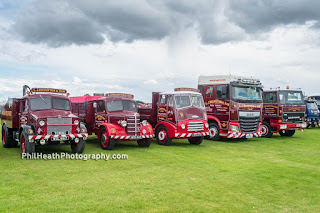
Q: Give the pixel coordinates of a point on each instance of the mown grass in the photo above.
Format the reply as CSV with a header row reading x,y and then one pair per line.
x,y
256,175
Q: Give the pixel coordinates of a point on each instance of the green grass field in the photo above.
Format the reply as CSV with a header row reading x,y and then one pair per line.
x,y
256,175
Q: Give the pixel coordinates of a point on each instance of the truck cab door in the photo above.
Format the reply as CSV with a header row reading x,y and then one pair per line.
x,y
100,113
270,105
171,116
24,112
222,105
162,108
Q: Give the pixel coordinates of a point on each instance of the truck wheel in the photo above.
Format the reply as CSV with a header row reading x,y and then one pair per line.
x,y
195,141
106,141
287,133
313,125
144,142
25,145
266,130
163,136
214,131
7,138
78,147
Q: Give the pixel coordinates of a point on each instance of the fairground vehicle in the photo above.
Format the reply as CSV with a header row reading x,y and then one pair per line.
x,y
180,114
41,117
283,112
112,118
233,104
312,113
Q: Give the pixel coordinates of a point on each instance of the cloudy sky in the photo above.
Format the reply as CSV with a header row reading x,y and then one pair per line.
x,y
140,46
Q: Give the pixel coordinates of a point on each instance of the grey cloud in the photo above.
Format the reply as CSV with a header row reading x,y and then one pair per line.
x,y
82,22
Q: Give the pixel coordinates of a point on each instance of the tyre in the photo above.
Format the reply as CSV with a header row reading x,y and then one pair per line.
x,y
106,141
163,136
78,147
287,133
25,145
196,140
313,125
266,130
144,142
7,137
214,132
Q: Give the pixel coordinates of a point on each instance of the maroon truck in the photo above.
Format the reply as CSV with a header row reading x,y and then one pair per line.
x,y
112,118
283,112
233,104
41,117
180,114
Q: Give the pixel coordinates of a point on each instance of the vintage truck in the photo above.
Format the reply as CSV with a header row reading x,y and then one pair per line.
x,y
283,112
177,115
312,113
41,117
113,117
233,104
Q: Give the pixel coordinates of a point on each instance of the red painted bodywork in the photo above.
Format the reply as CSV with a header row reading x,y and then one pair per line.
x,y
172,118
94,120
273,112
226,112
13,115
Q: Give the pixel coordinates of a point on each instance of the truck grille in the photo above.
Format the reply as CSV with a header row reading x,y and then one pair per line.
x,y
133,127
59,130
195,126
249,124
293,117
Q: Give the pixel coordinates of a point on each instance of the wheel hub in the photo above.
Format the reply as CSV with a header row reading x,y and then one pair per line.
x,y
213,132
162,135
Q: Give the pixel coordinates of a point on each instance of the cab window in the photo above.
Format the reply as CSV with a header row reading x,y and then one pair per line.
x,y
171,101
222,92
270,97
100,106
163,100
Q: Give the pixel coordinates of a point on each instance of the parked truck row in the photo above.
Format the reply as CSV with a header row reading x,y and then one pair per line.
x,y
223,106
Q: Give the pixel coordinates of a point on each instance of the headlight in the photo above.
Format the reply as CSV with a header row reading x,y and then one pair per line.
x,y
283,126
234,128
183,126
42,123
124,123
206,125
144,131
144,123
76,122
83,130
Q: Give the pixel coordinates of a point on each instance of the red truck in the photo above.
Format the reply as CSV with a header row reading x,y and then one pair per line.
x,y
179,114
41,117
233,104
113,117
283,112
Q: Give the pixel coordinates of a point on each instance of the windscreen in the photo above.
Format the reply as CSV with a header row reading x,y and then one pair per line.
x,y
59,103
197,101
120,105
46,103
246,94
182,101
312,105
291,98
41,103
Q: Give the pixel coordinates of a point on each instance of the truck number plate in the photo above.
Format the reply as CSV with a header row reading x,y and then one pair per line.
x,y
60,139
249,136
197,134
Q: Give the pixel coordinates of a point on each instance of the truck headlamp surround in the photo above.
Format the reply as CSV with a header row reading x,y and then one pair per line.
x,y
206,125
283,126
234,128
76,122
42,123
183,126
144,123
124,123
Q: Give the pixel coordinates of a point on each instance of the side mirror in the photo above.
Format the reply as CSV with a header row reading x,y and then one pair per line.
x,y
94,105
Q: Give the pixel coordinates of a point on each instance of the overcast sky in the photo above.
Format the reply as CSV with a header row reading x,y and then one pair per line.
x,y
156,45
